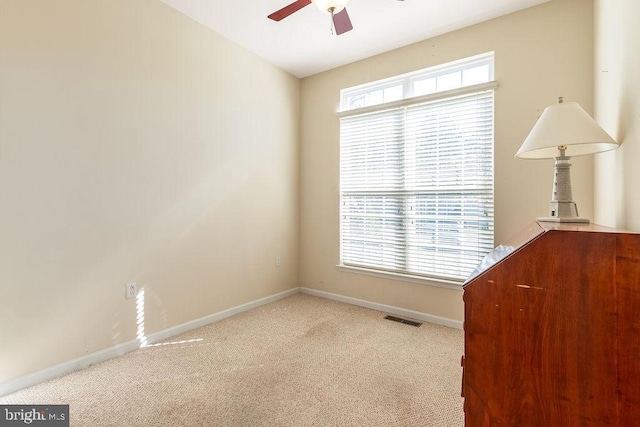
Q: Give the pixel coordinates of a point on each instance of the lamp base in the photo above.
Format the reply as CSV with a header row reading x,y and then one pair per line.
x,y
563,210
556,219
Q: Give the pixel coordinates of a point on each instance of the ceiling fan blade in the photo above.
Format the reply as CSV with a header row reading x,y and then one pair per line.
x,y
341,22
289,9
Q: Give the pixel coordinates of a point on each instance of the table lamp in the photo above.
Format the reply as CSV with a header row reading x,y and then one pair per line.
x,y
564,130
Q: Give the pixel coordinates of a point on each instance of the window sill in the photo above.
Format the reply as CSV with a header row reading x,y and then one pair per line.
x,y
440,283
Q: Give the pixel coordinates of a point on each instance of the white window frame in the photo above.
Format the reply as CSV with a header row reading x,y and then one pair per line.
x,y
407,81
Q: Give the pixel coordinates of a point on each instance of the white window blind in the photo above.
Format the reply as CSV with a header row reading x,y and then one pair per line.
x,y
416,187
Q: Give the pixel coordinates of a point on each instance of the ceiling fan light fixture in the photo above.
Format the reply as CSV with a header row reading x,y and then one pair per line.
x,y
330,6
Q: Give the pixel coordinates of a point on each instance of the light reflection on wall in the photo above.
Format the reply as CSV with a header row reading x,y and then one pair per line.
x,y
140,318
142,338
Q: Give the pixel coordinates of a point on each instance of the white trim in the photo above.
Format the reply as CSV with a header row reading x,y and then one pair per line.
x,y
440,283
417,315
215,317
82,362
492,85
407,79
67,367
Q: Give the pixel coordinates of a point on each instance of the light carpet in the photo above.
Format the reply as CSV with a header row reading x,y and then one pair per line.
x,y
300,361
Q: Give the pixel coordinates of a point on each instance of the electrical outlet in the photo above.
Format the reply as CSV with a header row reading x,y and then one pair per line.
x,y
131,290
278,261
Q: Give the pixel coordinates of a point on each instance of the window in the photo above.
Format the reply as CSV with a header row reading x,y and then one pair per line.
x,y
416,174
454,75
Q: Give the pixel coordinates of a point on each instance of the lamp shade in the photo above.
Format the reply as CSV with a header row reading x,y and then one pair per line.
x,y
565,124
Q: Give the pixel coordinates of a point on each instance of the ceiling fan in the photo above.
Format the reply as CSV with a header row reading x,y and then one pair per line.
x,y
336,8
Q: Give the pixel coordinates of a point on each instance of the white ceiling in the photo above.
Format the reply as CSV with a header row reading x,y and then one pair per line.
x,y
303,43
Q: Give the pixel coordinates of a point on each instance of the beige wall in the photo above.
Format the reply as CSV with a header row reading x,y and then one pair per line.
x,y
541,53
617,76
135,146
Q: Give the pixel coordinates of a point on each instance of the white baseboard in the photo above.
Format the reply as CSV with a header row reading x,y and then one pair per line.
x,y
215,317
403,312
67,367
120,349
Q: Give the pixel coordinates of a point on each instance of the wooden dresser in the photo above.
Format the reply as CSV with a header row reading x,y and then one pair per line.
x,y
552,330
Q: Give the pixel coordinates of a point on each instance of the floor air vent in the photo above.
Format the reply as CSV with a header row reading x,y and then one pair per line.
x,y
405,321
